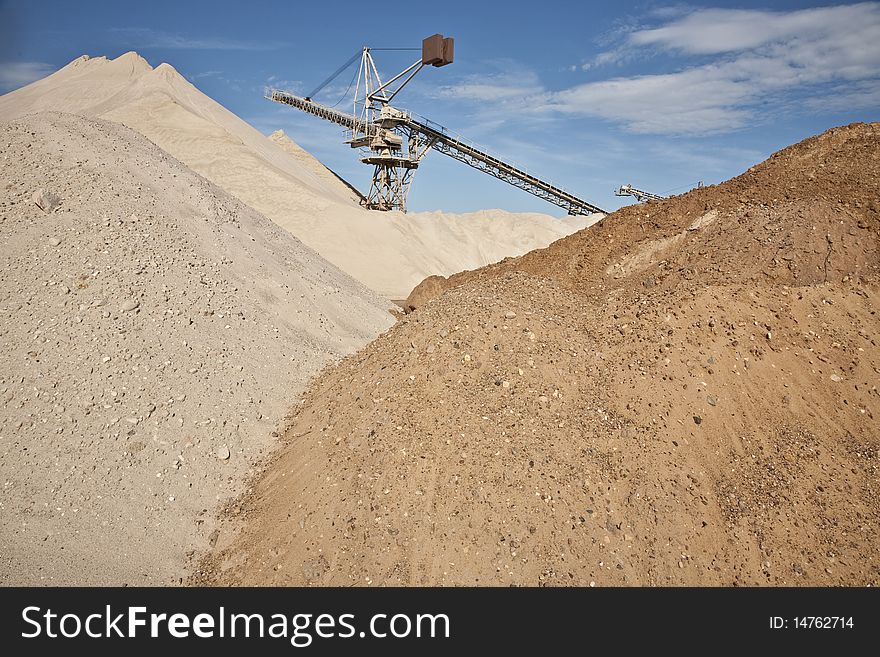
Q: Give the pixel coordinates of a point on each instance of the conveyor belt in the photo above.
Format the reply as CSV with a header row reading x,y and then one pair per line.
x,y
439,140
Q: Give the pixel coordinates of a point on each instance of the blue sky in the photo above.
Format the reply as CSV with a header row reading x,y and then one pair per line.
x,y
588,95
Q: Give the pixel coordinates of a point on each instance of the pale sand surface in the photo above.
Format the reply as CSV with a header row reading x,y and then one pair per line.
x,y
389,252
122,429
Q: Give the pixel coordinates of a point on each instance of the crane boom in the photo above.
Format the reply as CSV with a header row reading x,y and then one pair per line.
x,y
442,142
316,109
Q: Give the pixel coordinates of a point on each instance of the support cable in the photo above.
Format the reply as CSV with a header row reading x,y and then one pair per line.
x,y
333,76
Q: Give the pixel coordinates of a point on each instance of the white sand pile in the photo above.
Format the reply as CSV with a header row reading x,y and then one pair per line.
x,y
154,332
309,162
389,252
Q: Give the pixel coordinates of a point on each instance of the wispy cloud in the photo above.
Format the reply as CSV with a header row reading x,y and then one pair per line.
x,y
141,37
277,82
694,101
207,74
510,84
236,84
865,95
756,58
18,74
713,31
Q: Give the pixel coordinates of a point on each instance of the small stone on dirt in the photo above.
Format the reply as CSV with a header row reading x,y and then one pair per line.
x,y
46,201
315,568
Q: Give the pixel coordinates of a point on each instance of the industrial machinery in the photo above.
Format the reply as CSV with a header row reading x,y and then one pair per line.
x,y
639,194
394,142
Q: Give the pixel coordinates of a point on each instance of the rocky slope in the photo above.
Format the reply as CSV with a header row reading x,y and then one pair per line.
x,y
154,332
684,394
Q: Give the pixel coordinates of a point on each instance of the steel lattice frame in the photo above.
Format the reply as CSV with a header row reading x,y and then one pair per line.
x,y
397,143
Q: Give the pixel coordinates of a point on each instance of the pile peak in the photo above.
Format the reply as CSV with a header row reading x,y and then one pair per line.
x,y
132,60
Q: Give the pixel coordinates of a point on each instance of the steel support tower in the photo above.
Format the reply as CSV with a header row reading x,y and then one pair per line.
x,y
396,142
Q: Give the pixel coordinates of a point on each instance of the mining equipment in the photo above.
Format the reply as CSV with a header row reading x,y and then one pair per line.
x,y
394,142
639,194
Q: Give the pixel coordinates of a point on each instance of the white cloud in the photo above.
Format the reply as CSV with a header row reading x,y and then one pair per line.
x,y
138,37
760,58
713,31
695,101
504,86
277,82
865,95
18,74
236,84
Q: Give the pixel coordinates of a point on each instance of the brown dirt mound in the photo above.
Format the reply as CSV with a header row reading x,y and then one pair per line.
x,y
808,214
684,394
